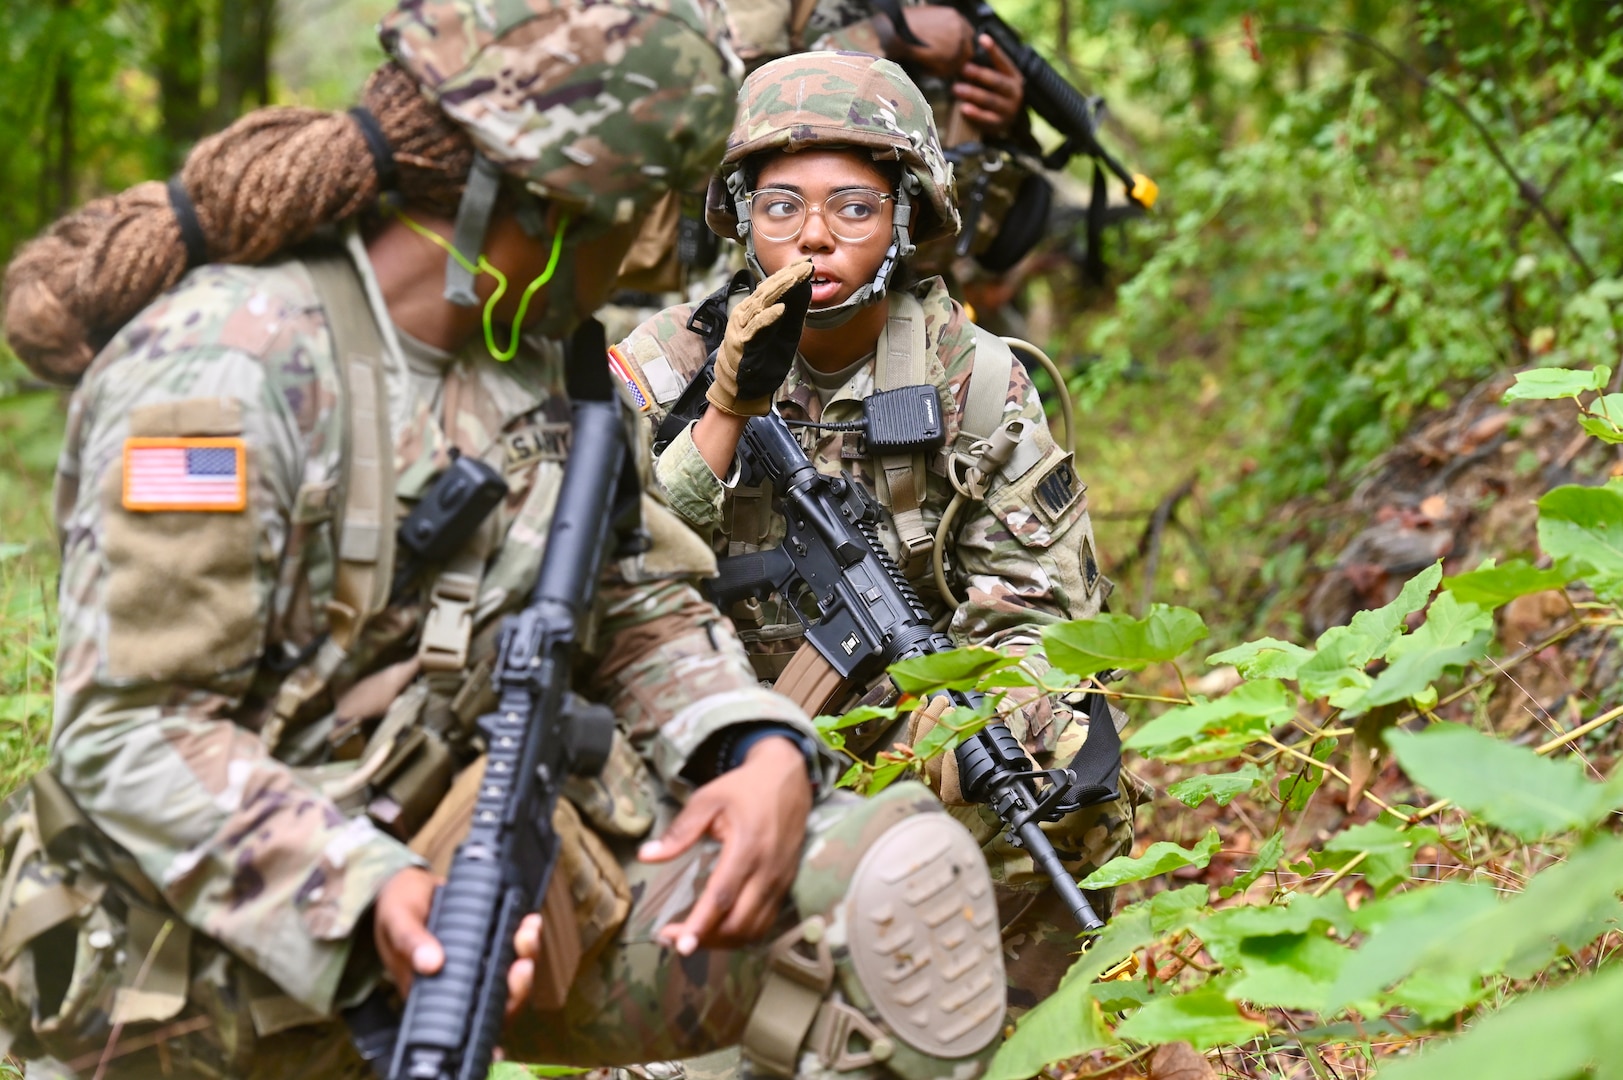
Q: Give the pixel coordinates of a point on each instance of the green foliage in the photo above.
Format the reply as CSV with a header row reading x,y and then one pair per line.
x,y
1509,787
1423,950
1161,858
1088,646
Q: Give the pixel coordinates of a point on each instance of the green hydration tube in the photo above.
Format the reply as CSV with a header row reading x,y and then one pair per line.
x,y
485,266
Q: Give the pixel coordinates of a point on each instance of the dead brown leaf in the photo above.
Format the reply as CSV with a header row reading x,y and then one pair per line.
x,y
1179,1061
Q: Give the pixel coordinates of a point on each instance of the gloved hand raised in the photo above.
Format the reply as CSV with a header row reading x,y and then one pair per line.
x,y
762,334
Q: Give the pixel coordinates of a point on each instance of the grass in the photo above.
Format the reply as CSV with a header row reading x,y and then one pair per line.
x,y
30,435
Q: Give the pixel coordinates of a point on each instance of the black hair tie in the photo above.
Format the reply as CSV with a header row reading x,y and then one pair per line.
x,y
191,229
382,153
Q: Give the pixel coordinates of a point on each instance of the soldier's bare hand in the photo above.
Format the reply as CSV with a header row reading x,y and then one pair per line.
x,y
991,96
949,40
521,976
758,813
400,926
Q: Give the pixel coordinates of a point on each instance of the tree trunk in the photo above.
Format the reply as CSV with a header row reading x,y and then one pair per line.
x,y
181,28
246,35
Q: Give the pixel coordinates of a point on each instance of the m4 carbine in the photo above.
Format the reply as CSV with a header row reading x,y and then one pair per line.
x,y
538,734
1051,97
870,617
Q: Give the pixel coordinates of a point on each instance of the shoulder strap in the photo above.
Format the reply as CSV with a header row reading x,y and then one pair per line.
x,y
988,387
902,361
365,524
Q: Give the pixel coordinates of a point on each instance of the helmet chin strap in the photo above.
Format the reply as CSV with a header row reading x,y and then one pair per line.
x,y
473,217
901,246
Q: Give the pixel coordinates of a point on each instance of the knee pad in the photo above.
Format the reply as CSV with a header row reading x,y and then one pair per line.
x,y
897,963
922,949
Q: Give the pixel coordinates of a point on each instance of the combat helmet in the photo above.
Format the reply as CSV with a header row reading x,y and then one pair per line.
x,y
829,100
599,106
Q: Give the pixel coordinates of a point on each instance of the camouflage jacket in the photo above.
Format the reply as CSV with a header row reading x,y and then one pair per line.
x,y
176,626
1018,559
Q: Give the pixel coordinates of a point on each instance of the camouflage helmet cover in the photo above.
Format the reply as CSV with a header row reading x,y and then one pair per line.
x,y
601,106
835,99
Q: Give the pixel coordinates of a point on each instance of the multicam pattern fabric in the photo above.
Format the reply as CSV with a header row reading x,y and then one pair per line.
x,y
263,856
1017,564
843,99
599,106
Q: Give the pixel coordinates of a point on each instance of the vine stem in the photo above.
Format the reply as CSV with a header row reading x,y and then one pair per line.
x,y
1580,731
1328,768
1108,1069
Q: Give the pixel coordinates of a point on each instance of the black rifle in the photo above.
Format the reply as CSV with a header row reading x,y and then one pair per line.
x,y
1049,95
538,734
870,617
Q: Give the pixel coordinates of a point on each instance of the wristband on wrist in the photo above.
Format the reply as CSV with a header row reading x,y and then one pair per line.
x,y
736,746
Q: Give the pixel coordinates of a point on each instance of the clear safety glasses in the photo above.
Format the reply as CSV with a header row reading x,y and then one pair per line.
x,y
779,214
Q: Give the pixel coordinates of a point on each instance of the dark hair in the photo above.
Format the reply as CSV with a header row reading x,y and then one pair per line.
x,y
260,186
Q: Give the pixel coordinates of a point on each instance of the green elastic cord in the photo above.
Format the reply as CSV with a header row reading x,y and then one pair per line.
x,y
484,265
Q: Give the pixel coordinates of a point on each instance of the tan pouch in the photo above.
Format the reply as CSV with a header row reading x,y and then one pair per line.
x,y
586,902
182,585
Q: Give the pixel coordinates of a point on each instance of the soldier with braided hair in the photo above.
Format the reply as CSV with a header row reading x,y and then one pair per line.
x,y
264,740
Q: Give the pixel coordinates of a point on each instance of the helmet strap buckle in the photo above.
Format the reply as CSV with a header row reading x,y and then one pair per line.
x,y
473,216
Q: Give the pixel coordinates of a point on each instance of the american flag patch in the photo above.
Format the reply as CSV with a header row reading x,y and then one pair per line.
x,y
185,474
640,396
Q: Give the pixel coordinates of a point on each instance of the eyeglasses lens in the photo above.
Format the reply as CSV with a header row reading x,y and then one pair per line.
x,y
780,215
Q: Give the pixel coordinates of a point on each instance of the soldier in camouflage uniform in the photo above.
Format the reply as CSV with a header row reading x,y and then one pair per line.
x,y
817,129
976,94
251,723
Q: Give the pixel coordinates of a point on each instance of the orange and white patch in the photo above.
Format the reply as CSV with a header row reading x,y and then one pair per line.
x,y
185,474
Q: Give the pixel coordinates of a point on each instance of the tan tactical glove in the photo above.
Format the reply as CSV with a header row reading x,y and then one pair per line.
x,y
941,771
762,334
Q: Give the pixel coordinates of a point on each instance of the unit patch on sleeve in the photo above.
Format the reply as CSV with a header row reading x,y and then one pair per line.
x,y
1059,488
203,474
641,396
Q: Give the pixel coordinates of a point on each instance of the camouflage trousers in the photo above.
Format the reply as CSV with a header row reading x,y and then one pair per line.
x,y
637,1001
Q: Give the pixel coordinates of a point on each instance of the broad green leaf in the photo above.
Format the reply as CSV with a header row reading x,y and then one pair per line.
x,y
1162,856
958,724
1508,786
1384,624
1304,912
1268,856
1601,428
1336,669
1265,658
884,776
1492,586
1204,1018
1585,524
1221,788
1399,930
1388,851
1453,634
1119,995
1176,908
859,715
1299,787
1067,1022
1218,728
1291,971
1087,646
1548,384
1562,909
1556,1034
956,669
